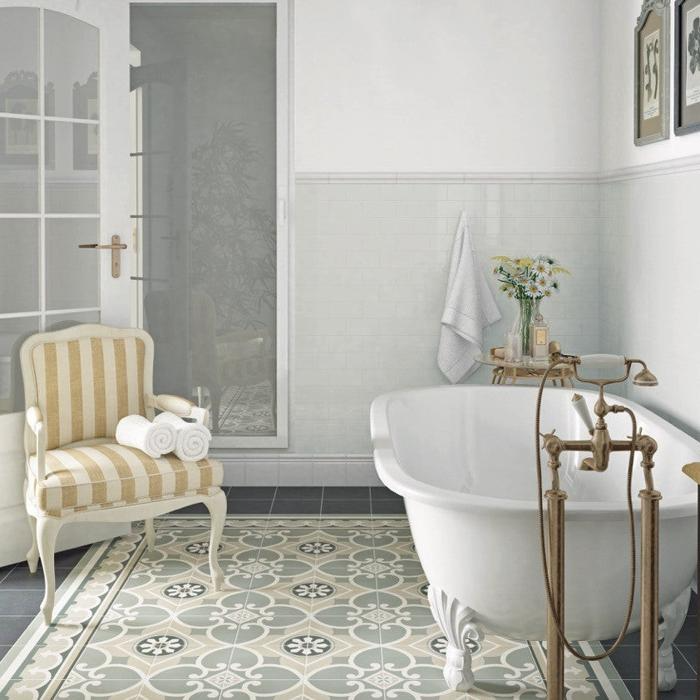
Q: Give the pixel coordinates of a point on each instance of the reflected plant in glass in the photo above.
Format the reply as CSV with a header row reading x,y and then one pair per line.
x,y
233,248
233,252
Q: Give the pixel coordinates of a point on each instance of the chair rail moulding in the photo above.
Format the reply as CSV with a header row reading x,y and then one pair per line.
x,y
666,166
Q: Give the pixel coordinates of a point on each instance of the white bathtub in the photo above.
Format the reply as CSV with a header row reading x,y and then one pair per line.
x,y
463,458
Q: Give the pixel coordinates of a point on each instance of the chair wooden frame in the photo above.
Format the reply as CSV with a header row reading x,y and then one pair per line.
x,y
44,528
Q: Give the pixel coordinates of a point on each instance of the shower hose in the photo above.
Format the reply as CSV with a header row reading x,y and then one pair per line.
x,y
543,546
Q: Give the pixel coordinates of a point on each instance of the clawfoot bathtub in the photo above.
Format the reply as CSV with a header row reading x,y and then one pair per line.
x,y
463,459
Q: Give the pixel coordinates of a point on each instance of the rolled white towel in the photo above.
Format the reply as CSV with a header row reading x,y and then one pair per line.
x,y
155,439
192,442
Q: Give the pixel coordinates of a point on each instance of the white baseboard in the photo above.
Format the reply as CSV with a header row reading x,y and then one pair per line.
x,y
270,469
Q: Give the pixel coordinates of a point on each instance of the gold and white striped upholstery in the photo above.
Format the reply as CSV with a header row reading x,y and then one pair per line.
x,y
84,386
106,475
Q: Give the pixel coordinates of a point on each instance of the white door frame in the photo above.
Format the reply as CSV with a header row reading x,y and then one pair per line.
x,y
285,208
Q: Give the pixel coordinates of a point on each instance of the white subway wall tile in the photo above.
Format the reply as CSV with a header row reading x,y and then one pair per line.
x,y
262,473
370,276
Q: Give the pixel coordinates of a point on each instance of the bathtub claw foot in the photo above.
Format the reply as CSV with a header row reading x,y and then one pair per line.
x,y
673,616
458,669
456,622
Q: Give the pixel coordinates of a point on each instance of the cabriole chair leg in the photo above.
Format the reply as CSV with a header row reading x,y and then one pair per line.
x,y
217,509
47,530
150,530
33,553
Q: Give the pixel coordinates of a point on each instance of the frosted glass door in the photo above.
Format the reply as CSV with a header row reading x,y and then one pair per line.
x,y
49,180
206,168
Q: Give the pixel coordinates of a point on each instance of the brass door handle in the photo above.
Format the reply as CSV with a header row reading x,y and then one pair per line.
x,y
116,246
101,246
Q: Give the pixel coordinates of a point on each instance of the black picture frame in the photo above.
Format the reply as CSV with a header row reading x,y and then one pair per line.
x,y
682,126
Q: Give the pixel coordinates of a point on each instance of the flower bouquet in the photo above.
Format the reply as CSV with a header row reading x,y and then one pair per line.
x,y
528,281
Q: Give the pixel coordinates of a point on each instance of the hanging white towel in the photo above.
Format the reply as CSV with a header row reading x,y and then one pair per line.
x,y
139,432
469,309
192,441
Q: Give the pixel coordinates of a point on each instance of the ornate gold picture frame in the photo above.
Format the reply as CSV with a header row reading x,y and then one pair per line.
x,y
651,72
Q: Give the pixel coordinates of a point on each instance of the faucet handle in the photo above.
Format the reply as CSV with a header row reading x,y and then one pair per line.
x,y
581,407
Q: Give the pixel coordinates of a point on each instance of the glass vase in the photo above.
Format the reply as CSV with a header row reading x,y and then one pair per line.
x,y
522,325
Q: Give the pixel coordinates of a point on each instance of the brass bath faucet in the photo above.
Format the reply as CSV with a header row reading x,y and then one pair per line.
x,y
600,446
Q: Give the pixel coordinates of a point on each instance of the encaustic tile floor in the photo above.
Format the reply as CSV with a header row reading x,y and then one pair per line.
x,y
324,598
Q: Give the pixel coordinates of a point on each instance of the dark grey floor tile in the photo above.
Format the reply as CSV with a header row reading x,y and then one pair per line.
x,y
684,668
688,635
5,571
690,654
252,492
383,493
12,627
693,607
355,506
285,493
684,690
4,649
194,509
252,507
630,640
386,507
70,557
20,602
626,661
20,578
301,506
339,493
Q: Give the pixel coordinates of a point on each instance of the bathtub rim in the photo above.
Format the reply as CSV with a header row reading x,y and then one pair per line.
x,y
398,480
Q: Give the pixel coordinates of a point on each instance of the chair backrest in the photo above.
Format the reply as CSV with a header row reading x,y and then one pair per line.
x,y
84,379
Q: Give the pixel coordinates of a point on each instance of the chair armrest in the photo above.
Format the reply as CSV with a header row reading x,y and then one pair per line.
x,y
179,406
35,422
693,471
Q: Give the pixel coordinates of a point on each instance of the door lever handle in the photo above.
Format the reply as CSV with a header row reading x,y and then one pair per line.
x,y
103,246
116,246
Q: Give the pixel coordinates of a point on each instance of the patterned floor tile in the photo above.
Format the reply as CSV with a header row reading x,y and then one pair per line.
x,y
311,608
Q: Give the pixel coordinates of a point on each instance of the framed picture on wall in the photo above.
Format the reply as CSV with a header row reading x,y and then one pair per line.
x,y
687,66
651,72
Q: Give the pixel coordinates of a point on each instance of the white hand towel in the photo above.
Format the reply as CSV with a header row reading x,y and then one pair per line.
x,y
469,309
192,442
154,440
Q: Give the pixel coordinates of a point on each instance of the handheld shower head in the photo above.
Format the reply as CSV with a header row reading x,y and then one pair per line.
x,y
645,378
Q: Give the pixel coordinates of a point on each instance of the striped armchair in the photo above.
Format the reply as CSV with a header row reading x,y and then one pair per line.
x,y
78,383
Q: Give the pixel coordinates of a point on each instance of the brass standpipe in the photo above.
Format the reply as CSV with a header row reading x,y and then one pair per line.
x,y
600,446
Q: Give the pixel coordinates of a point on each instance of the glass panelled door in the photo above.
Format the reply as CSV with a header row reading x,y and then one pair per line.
x,y
54,196
209,167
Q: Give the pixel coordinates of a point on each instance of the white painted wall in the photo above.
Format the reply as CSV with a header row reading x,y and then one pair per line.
x,y
649,238
618,20
454,85
651,249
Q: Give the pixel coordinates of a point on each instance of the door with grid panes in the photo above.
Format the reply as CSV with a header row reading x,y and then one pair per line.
x,y
64,183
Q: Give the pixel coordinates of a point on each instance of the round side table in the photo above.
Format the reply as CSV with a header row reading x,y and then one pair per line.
x,y
527,368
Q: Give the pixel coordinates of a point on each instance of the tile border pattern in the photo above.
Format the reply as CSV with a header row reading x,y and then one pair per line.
x,y
111,606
